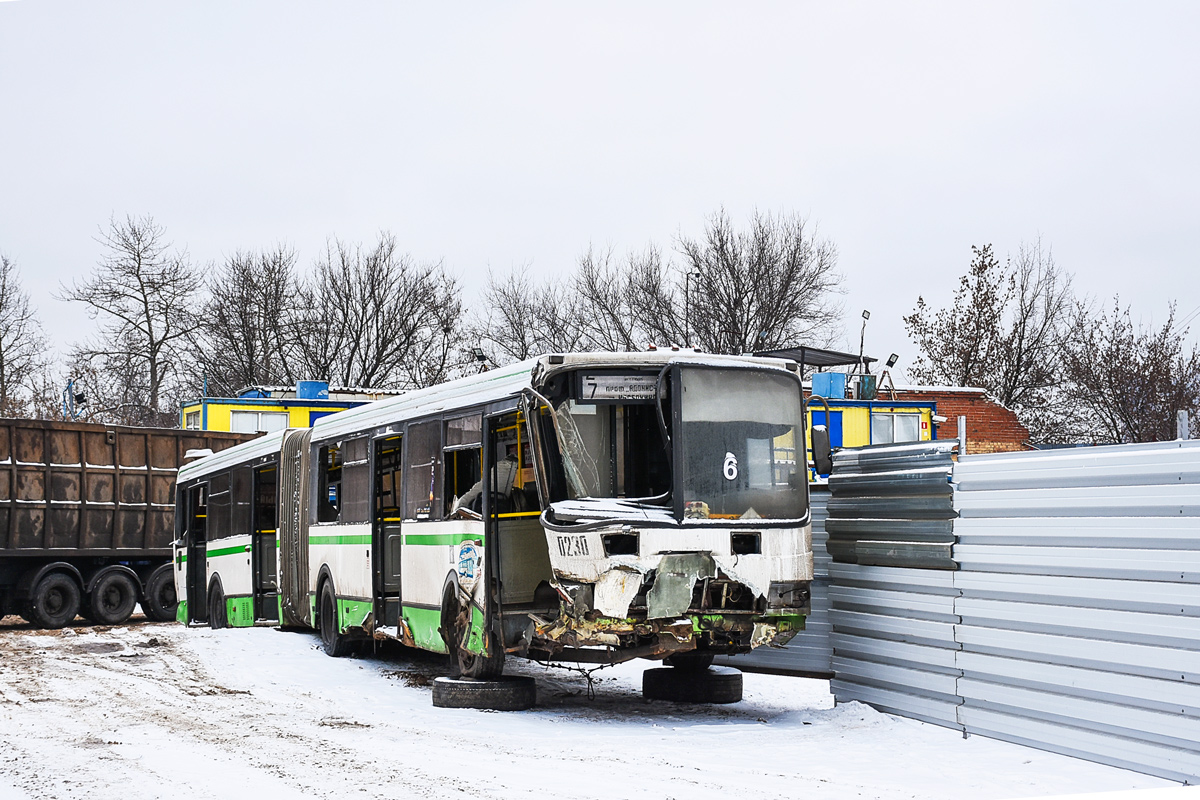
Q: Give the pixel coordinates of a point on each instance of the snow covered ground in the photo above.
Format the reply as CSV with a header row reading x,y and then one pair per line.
x,y
148,711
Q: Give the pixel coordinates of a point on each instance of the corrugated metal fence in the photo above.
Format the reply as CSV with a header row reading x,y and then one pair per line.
x,y
1072,621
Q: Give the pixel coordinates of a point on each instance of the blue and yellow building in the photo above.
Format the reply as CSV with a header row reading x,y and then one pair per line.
x,y
262,409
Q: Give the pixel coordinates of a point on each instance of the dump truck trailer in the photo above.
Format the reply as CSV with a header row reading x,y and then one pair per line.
x,y
87,518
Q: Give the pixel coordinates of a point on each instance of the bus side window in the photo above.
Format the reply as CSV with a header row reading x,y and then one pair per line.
x,y
219,508
356,480
387,479
422,484
241,493
463,458
329,464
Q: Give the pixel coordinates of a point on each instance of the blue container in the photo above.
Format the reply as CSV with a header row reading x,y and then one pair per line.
x,y
830,385
312,390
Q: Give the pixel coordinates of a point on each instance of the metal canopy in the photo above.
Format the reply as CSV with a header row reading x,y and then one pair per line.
x,y
816,357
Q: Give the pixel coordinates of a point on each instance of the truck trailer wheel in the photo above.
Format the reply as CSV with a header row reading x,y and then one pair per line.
x,y
712,685
54,601
505,693
158,598
113,598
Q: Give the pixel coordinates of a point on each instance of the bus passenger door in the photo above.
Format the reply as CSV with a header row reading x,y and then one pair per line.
x,y
197,553
266,512
388,537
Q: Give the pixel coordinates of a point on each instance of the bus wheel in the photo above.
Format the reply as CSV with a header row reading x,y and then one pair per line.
x,y
54,602
505,693
217,617
713,685
334,643
158,600
112,599
456,621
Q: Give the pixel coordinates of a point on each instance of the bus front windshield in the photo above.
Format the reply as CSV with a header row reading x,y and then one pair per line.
x,y
742,431
612,450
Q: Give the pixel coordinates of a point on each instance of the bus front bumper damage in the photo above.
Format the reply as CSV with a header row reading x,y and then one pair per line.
x,y
646,608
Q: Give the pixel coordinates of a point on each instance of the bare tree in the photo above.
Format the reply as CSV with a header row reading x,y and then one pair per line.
x,y
144,293
374,317
244,337
22,343
1003,333
768,286
520,318
1131,380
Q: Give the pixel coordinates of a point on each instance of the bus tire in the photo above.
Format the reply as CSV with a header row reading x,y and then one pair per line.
x,y
334,643
463,664
713,685
112,599
54,601
159,601
505,693
217,616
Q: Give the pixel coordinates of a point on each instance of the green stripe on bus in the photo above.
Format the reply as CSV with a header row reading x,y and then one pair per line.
x,y
442,538
362,539
228,551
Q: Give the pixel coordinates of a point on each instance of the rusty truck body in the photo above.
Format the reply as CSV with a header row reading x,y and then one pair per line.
x,y
87,518
585,508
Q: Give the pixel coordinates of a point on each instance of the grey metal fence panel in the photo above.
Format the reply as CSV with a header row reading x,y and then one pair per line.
x,y
1080,606
892,505
810,652
1073,621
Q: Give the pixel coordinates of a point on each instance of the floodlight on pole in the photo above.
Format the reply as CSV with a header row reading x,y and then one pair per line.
x,y
687,328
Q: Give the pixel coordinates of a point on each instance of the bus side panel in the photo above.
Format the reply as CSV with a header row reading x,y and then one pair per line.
x,y
430,554
229,561
344,551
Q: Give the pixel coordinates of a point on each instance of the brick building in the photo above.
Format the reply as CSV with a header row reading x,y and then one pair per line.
x,y
991,428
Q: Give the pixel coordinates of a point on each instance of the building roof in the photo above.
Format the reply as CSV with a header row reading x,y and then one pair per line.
x,y
815,356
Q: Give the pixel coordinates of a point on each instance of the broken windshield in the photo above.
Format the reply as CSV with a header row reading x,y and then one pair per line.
x,y
611,449
738,441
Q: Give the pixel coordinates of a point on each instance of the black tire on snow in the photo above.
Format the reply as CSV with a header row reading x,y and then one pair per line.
x,y
112,599
54,602
713,685
334,643
158,599
217,618
505,693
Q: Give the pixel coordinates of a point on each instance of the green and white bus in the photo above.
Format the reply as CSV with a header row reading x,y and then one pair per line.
x,y
584,508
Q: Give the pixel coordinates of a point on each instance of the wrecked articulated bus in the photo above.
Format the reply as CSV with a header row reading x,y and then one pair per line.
x,y
583,508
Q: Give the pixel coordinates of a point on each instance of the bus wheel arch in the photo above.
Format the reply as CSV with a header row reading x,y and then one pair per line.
x,y
455,624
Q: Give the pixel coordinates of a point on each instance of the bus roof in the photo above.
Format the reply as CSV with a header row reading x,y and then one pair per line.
x,y
240,454
503,382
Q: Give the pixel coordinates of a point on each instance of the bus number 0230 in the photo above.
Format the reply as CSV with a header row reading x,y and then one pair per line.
x,y
572,546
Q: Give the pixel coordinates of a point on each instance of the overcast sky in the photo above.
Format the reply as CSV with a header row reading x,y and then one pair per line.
x,y
516,133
